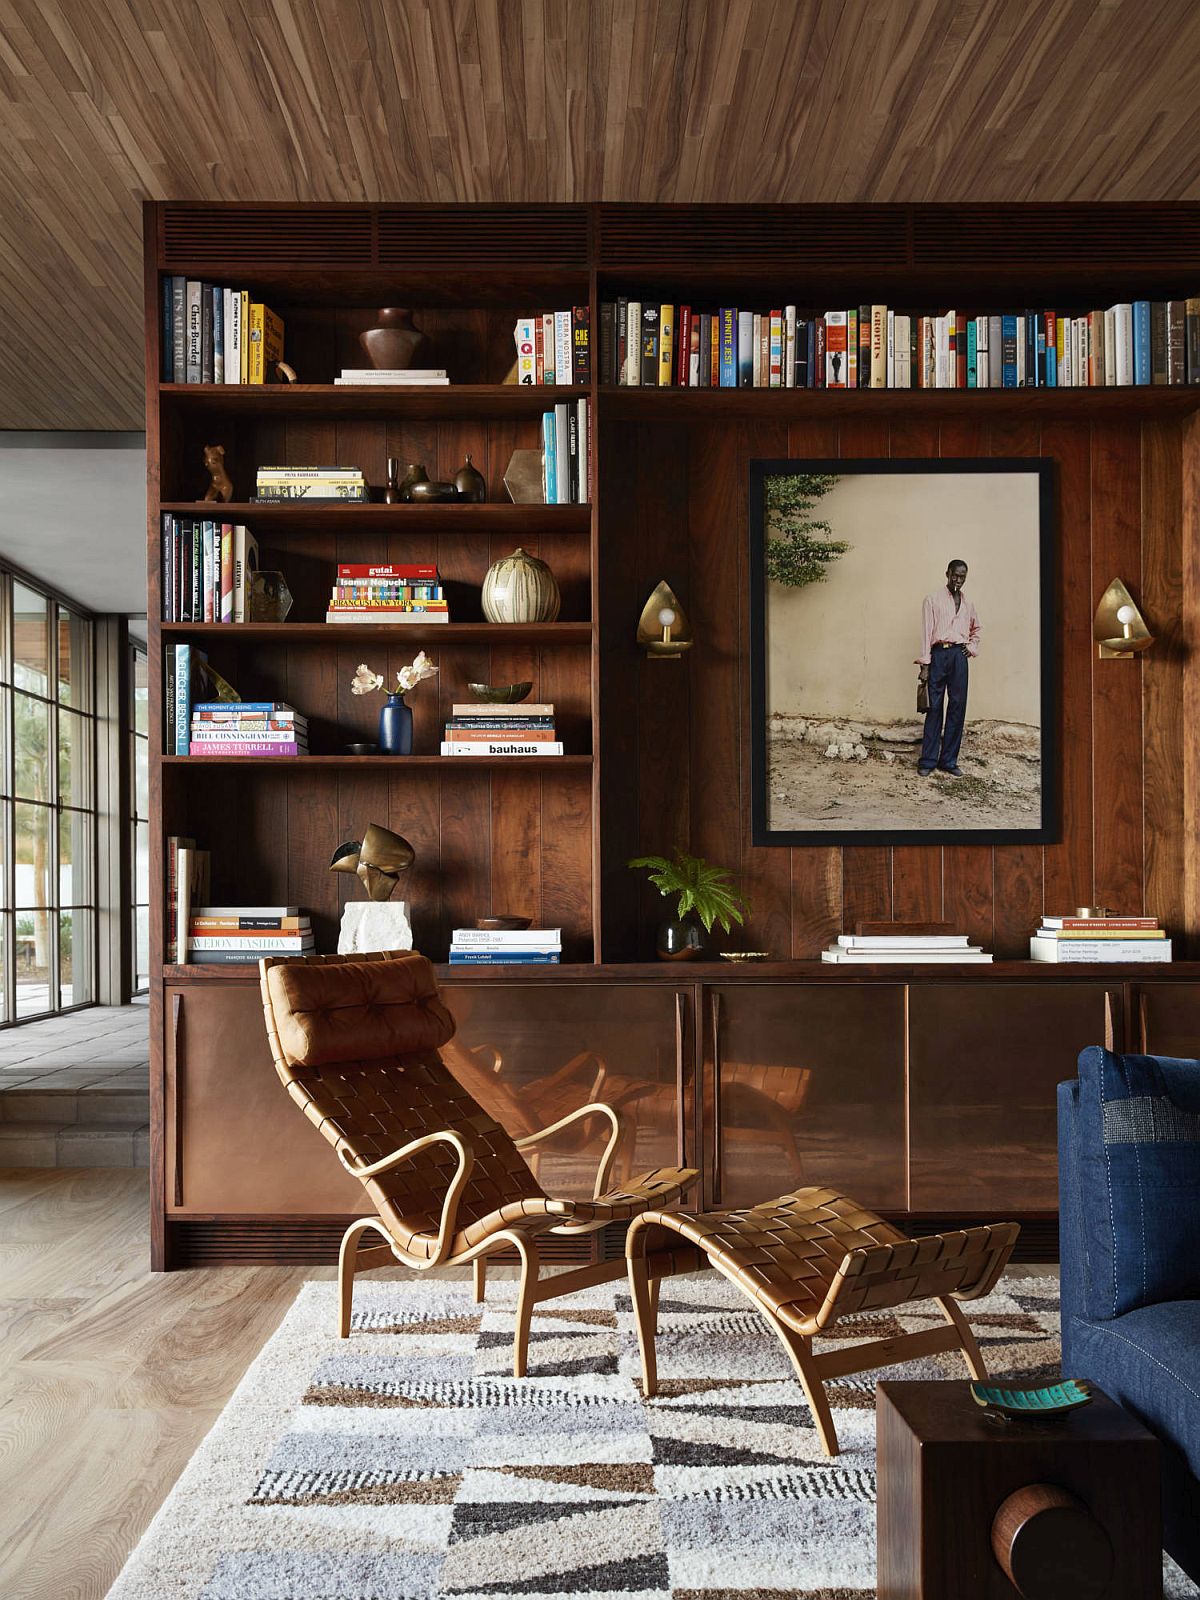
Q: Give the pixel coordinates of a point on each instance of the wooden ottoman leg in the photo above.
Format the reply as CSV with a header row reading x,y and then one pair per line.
x,y
800,1351
970,1350
644,1294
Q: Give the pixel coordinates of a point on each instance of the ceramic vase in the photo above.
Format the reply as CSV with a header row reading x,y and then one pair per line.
x,y
395,727
395,344
679,938
520,588
469,482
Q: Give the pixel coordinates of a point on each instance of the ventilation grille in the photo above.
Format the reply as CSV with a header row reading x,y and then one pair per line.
x,y
1072,237
267,236
310,1242
759,239
494,237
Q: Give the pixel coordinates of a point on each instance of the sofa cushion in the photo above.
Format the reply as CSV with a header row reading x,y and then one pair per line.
x,y
342,1011
1139,1179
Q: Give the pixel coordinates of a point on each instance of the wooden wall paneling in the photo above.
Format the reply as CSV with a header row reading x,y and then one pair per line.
x,y
916,869
815,870
968,895
516,827
1017,868
1163,741
1069,864
866,868
414,811
1191,672
566,860
766,872
1116,685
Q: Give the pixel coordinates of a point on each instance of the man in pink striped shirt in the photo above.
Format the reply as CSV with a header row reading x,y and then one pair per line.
x,y
949,641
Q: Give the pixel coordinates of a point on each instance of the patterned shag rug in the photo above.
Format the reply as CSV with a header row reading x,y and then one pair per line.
x,y
406,1462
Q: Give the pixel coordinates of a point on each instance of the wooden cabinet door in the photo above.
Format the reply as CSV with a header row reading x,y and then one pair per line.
x,y
531,1053
808,1083
1166,1020
984,1063
236,1144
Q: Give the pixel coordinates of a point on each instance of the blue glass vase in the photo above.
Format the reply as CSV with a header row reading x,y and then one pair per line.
x,y
395,727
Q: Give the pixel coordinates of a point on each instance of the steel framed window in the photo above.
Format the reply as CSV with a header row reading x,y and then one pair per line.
x,y
137,724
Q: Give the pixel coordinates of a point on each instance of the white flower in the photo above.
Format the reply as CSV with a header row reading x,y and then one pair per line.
x,y
364,680
409,677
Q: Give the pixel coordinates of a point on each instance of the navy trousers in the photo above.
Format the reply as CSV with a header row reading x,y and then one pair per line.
x,y
947,690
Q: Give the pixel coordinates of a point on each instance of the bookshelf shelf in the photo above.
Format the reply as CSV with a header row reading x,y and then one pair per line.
x,y
481,633
391,763
528,521
462,401
822,405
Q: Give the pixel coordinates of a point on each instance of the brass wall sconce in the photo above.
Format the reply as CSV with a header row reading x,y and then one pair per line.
x,y
664,631
1119,627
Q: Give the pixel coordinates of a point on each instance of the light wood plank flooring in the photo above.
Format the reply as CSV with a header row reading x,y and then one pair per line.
x,y
110,1375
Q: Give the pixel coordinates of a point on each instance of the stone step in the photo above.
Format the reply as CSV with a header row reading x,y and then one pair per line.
x,y
75,1144
98,1105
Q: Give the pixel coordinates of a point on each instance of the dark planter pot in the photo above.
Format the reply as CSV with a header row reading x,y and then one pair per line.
x,y
679,939
395,727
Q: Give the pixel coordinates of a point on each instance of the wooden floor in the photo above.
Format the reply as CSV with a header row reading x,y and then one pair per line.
x,y
109,1375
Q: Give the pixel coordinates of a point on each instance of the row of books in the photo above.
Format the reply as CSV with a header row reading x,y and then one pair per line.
x,y
393,377
554,347
874,346
273,484
188,873
208,570
1068,940
251,728
566,454
226,935
211,334
409,592
524,947
856,949
490,730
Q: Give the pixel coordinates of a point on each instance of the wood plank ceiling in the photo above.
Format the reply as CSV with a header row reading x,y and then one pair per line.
x,y
106,102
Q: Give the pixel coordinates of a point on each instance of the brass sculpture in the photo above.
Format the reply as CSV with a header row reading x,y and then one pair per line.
x,y
378,859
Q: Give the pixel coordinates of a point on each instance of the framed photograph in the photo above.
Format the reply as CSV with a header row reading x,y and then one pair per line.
x,y
903,663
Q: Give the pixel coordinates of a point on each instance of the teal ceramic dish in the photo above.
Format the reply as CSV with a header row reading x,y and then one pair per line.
x,y
1052,1401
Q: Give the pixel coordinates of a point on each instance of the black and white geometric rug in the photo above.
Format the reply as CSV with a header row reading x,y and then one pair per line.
x,y
406,1463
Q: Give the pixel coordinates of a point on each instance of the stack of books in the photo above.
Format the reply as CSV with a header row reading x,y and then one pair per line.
x,y
412,377
210,334
388,593
856,949
223,935
310,483
510,730
207,570
188,874
247,728
1080,939
524,947
554,347
566,454
644,344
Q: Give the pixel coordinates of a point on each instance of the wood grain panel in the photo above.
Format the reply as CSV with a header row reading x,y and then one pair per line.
x,y
1163,727
1116,685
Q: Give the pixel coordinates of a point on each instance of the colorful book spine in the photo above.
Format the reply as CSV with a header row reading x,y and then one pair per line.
x,y
1142,372
728,348
237,747
666,345
183,680
581,345
549,460
524,339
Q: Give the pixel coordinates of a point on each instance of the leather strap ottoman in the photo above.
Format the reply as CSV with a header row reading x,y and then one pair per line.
x,y
809,1258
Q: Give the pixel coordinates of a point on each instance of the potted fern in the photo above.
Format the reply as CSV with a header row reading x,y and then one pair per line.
x,y
706,895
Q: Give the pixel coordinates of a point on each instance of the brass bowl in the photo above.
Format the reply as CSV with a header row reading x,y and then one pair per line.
x,y
745,955
500,694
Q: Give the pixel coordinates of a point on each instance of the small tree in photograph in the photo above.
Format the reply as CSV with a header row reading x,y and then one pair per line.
x,y
799,545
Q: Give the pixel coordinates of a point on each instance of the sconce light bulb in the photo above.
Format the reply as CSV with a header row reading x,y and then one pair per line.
x,y
1125,614
666,616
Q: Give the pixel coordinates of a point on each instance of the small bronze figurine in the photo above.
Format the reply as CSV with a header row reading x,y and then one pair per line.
x,y
221,487
378,860
469,482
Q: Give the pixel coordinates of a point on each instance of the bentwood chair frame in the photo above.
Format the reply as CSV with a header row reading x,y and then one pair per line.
x,y
356,1042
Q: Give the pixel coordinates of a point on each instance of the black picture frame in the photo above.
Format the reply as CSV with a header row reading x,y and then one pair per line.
x,y
1047,830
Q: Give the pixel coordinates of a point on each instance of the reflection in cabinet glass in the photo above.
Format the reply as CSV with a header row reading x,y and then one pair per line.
x,y
810,1085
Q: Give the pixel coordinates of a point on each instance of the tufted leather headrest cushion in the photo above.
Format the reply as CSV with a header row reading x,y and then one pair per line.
x,y
357,1010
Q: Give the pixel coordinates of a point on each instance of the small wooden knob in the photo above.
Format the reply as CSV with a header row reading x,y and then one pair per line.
x,y
1048,1544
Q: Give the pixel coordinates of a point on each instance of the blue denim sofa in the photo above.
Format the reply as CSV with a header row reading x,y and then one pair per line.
x,y
1129,1215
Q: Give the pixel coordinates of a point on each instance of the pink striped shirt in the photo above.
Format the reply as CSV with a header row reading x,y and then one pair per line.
x,y
942,624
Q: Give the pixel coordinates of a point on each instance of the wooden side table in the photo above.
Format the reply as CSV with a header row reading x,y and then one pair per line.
x,y
995,1511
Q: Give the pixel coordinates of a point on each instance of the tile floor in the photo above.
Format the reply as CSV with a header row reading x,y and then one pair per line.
x,y
74,1090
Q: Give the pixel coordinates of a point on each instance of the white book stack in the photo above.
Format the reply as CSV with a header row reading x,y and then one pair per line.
x,y
1070,940
856,949
411,377
504,947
